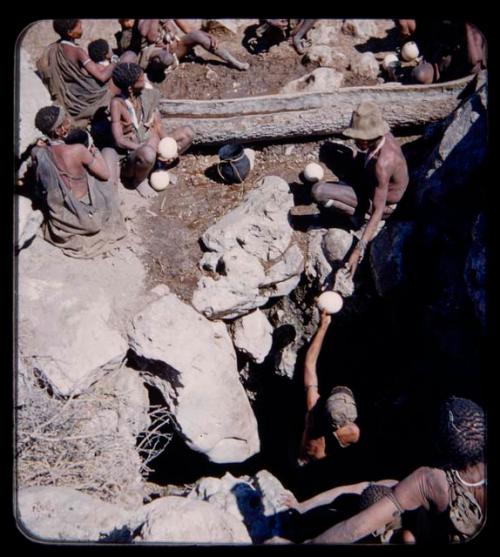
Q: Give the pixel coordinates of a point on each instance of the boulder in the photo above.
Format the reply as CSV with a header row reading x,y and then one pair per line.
x,y
227,26
62,514
365,65
259,225
253,335
76,345
326,56
257,501
33,95
317,267
476,269
324,32
387,256
284,275
236,292
29,221
336,243
321,79
460,153
192,362
181,520
360,28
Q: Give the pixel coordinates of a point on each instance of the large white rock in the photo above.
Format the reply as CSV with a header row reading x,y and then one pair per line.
x,y
65,514
259,225
317,267
67,337
194,365
321,79
180,520
28,220
257,501
253,335
365,65
284,276
236,292
360,28
33,95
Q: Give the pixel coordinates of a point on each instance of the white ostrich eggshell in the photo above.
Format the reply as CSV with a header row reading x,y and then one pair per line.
x,y
389,60
409,51
313,172
331,302
167,149
159,180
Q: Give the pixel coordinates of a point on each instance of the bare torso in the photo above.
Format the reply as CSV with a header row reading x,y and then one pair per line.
x,y
392,158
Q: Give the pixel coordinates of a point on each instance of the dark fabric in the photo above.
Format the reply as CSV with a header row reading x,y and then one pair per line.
x,y
128,39
81,230
78,92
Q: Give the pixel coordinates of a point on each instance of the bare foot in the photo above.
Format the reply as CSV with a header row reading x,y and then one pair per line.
x,y
242,66
145,190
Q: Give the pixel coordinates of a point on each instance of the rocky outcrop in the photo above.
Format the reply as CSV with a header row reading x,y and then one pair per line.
x,y
180,520
191,360
246,240
365,65
28,221
76,345
253,335
320,79
55,514
256,501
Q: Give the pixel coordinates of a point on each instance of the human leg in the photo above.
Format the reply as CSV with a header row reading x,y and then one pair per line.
x,y
207,42
299,32
336,196
183,136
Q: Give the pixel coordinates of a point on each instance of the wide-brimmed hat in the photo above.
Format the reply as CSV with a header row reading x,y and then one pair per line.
x,y
340,407
367,122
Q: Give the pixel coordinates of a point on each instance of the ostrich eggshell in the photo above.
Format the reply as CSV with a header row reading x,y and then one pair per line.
x,y
331,302
313,172
409,51
167,149
159,180
389,59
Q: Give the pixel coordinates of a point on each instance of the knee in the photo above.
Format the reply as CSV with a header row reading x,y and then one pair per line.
x,y
146,155
316,192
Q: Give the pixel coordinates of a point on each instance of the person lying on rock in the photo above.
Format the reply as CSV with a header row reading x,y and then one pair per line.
x,y
340,503
334,416
452,495
449,49
167,41
136,128
83,217
380,180
74,81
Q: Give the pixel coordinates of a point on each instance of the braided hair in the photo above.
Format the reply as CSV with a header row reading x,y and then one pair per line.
x,y
462,432
125,75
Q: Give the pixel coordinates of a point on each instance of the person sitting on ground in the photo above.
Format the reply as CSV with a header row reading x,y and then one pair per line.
x,y
74,81
166,42
381,180
128,39
449,49
83,218
136,128
334,416
100,52
453,495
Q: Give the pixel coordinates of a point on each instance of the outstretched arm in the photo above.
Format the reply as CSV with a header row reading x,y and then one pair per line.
x,y
331,494
379,203
416,490
310,373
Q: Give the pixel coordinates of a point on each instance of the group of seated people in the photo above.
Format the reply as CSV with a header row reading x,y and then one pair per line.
x,y
109,106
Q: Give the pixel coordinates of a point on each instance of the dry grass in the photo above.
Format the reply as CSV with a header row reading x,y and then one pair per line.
x,y
62,442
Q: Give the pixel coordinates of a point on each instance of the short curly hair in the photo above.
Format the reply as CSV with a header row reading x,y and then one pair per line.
x,y
462,432
125,75
46,117
63,26
372,494
98,50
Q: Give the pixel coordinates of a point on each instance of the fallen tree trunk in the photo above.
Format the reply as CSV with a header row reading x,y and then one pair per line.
x,y
282,116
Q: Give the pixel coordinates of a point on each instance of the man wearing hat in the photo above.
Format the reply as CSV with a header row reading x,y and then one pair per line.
x,y
334,416
380,183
